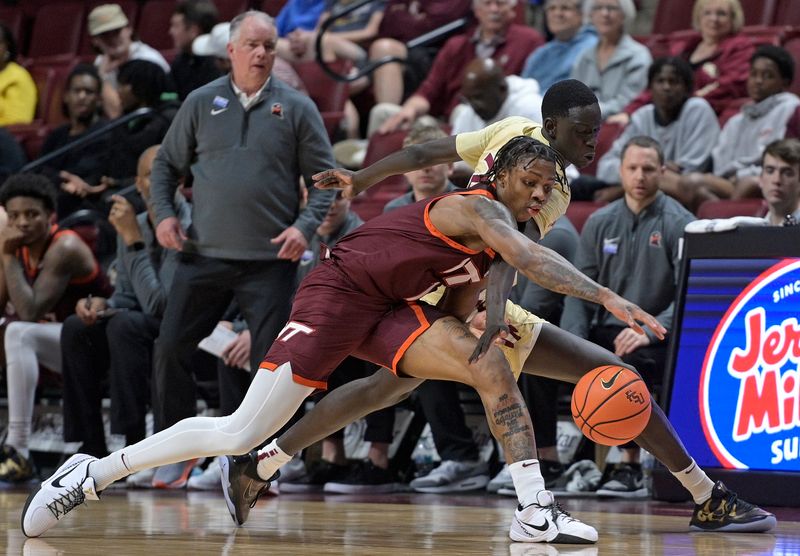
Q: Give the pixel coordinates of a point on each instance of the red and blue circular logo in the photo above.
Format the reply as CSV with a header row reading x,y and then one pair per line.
x,y
750,382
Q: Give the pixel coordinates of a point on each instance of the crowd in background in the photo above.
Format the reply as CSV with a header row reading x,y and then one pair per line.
x,y
707,118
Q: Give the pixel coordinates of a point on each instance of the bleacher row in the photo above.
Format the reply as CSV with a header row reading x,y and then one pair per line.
x,y
37,22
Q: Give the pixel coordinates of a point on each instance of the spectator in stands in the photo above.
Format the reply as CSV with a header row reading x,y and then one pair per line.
x,y
112,36
342,40
113,337
616,68
684,126
17,89
780,182
142,84
191,19
739,149
553,61
45,271
248,229
490,96
403,21
718,56
496,37
215,45
636,236
81,106
13,157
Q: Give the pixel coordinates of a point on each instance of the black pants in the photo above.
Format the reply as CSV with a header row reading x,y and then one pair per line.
x,y
442,408
201,291
541,397
118,348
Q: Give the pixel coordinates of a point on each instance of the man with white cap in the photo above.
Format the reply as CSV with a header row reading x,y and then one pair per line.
x,y
112,35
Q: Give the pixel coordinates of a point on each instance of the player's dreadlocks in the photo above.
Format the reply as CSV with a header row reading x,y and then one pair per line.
x,y
519,148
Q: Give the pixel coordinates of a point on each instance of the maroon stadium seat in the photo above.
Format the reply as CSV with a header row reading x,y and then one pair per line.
x,y
729,208
606,137
153,25
228,9
56,31
328,94
272,7
580,211
370,203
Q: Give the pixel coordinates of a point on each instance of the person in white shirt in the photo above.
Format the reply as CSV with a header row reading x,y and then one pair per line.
x,y
112,35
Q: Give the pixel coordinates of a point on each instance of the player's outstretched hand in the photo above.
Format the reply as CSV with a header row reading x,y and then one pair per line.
x,y
338,178
631,314
491,334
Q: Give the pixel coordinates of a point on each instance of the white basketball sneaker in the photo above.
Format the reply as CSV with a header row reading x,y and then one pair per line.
x,y
545,521
69,486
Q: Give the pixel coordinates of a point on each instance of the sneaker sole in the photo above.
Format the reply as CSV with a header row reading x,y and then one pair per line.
x,y
641,493
760,526
31,496
298,488
343,488
471,483
226,485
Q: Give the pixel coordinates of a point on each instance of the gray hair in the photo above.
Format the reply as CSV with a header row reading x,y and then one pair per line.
x,y
510,2
236,22
627,6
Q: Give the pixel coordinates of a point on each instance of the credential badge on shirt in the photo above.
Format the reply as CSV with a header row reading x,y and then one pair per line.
x,y
610,245
655,239
277,110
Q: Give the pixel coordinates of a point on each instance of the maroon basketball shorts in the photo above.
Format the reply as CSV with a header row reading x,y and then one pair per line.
x,y
331,319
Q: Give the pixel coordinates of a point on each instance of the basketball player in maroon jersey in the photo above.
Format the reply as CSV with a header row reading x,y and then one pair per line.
x,y
362,299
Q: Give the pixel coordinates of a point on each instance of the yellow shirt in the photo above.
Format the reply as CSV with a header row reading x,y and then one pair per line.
x,y
17,95
479,148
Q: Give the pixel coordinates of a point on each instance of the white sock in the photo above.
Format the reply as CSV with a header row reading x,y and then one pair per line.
x,y
19,432
696,482
528,480
108,470
270,459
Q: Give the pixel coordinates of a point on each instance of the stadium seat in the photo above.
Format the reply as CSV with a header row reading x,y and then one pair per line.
x,y
728,208
56,31
792,44
228,9
758,12
608,134
328,94
44,77
30,136
579,211
272,7
153,25
14,18
370,203
672,15
787,12
131,9
764,34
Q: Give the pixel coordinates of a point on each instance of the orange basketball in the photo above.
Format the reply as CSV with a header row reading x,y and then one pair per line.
x,y
611,405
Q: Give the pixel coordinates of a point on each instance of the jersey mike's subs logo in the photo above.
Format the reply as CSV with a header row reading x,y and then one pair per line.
x,y
750,382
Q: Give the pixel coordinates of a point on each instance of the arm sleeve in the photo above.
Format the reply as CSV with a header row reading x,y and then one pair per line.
x,y
315,155
173,161
700,134
633,83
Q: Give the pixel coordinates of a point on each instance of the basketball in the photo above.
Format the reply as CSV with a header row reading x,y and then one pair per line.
x,y
611,405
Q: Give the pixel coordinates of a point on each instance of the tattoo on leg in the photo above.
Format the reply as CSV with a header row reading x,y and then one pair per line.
x,y
512,422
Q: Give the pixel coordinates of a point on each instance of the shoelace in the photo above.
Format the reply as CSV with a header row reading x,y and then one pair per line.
x,y
733,502
64,504
258,495
556,509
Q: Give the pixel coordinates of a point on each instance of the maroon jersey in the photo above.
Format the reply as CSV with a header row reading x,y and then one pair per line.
x,y
94,283
401,256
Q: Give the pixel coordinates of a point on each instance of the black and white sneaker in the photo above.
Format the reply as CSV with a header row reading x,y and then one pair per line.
x,y
725,511
545,521
241,484
365,478
625,481
68,488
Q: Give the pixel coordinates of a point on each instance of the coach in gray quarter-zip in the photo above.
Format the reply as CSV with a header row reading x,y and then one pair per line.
x,y
247,139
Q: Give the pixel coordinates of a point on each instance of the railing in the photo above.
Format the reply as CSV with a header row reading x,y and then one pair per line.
x,y
422,40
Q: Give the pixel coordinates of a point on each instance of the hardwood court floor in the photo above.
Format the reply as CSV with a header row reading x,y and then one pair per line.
x,y
157,523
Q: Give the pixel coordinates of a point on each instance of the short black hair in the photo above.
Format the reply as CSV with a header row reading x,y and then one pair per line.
x,y
565,95
682,68
77,71
11,43
517,149
147,80
644,142
35,186
202,13
780,56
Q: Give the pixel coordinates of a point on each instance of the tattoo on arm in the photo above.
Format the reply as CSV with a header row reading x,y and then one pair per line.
x,y
552,271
